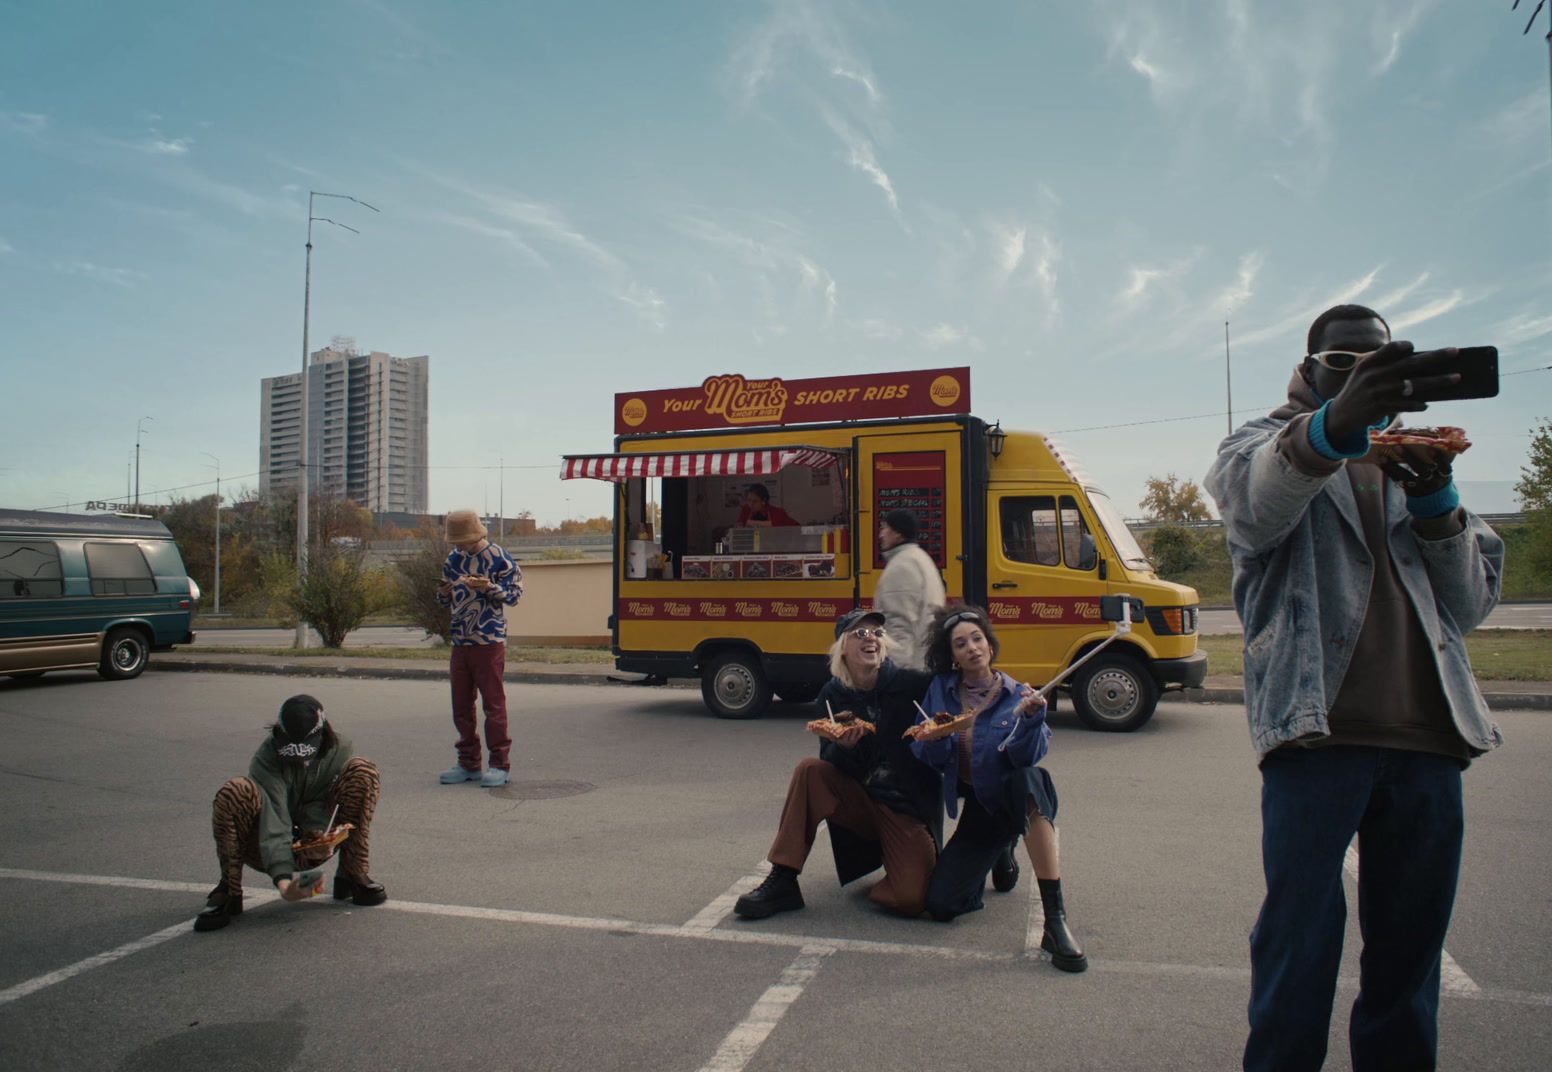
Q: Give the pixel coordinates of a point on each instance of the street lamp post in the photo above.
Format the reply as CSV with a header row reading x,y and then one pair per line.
x,y
302,471
139,425
213,458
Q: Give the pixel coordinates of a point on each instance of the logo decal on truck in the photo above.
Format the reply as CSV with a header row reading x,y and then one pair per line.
x,y
741,401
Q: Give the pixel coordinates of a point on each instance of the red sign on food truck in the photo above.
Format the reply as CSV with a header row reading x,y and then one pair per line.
x,y
734,401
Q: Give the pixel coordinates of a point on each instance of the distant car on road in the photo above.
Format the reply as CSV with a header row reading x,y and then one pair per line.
x,y
81,591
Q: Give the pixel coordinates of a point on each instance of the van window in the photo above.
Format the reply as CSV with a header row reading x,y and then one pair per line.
x,y
30,571
118,569
1029,530
1078,545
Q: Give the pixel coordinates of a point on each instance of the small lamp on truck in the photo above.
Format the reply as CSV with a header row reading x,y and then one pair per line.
x,y
995,437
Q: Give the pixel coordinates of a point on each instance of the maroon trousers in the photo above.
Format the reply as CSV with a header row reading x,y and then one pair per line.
x,y
478,668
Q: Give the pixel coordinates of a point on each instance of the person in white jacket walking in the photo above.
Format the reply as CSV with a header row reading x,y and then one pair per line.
x,y
910,590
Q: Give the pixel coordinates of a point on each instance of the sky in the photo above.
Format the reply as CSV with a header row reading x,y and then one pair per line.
x,y
578,199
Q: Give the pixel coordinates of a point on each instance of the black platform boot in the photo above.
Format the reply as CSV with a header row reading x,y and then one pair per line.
x,y
1058,940
778,893
219,909
1005,872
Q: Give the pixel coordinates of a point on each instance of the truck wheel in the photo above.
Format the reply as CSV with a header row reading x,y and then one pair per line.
x,y
1114,693
124,654
797,693
734,686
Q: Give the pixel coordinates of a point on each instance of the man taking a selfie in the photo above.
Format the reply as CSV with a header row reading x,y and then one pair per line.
x,y
1356,575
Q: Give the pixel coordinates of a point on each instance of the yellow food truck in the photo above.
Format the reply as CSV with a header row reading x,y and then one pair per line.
x,y
746,519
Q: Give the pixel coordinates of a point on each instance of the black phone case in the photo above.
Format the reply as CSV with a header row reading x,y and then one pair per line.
x,y
1478,368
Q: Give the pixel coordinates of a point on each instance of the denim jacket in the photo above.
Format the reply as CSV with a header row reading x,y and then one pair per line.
x,y
1302,574
1004,743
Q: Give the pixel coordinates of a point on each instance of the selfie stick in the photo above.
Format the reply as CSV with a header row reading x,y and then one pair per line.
x,y
1122,628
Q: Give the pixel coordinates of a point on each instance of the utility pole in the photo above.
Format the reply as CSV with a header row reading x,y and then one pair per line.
x,y
139,425
1228,375
302,472
213,458
501,501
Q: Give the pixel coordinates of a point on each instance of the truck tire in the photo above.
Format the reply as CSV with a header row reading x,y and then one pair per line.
x,y
125,652
734,686
797,692
1114,693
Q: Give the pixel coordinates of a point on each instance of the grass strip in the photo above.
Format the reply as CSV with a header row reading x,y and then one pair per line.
x,y
1496,654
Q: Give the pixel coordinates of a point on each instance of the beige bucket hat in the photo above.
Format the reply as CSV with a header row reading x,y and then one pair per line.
x,y
465,525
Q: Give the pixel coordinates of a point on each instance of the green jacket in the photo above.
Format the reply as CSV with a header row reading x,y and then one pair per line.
x,y
294,796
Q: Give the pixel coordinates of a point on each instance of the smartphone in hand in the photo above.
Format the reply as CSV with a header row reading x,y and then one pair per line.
x,y
1476,365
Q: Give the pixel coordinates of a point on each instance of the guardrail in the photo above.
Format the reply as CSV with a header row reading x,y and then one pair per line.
x,y
1138,524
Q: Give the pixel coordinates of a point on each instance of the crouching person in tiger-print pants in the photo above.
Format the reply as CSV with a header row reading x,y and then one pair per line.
x,y
296,780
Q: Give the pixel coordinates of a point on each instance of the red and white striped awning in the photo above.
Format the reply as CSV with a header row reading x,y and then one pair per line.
x,y
619,467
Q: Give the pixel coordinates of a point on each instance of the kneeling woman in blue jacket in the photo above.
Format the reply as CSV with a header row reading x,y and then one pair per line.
x,y
993,765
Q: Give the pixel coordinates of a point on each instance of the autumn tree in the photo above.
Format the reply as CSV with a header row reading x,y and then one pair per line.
x,y
1535,491
1169,498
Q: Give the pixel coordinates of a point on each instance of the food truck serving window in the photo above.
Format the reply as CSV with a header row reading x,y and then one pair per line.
x,y
774,514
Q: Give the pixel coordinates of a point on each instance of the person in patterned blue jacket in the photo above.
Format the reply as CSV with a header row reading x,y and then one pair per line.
x,y
479,581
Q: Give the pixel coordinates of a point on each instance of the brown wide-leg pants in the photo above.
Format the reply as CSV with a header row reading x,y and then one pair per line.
x,y
235,822
818,793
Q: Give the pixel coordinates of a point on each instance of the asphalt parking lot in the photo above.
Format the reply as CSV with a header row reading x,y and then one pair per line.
x,y
581,917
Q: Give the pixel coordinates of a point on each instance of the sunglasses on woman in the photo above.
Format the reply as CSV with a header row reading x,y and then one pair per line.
x,y
868,634
1338,360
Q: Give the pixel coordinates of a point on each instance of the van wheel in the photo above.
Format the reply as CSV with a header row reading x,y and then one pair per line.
x,y
1114,693
734,686
798,693
124,654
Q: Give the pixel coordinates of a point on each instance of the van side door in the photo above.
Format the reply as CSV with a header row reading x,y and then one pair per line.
x,y
1043,584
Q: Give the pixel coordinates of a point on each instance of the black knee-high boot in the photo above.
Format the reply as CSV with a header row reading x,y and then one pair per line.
x,y
1058,939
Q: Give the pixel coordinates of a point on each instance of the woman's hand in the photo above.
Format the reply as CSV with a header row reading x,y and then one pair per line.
x,y
1031,703
295,891
849,737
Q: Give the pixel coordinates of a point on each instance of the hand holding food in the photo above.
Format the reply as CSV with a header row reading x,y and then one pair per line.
x,y
476,582
937,726
1419,459
844,728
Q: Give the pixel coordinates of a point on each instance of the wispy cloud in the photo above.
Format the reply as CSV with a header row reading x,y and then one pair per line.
x,y
487,230
880,330
1141,279
1395,297
160,146
6,247
1522,328
1423,313
24,122
777,263
119,277
647,304
1243,288
1520,119
1391,25
1297,320
1010,250
861,156
864,80
1045,278
943,335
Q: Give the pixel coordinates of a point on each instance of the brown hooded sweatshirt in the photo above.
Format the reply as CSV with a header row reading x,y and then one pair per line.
x,y
1390,696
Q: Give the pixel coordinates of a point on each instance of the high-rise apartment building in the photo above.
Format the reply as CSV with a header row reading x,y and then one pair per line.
x,y
366,425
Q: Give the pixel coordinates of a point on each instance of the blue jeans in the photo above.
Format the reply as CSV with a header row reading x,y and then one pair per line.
x,y
1405,808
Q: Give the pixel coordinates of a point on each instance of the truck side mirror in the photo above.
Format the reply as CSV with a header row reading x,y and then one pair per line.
x,y
1088,551
1113,608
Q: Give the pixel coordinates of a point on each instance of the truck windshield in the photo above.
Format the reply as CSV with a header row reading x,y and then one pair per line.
x,y
1115,526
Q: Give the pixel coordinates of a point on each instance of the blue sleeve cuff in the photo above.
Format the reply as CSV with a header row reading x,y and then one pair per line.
x,y
1356,447
1444,501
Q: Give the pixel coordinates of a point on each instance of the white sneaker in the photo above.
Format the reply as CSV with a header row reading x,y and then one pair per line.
x,y
459,774
495,778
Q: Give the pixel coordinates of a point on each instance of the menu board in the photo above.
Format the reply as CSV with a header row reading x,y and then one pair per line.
x,y
913,481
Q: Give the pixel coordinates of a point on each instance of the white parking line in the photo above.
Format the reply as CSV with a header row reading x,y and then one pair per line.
x,y
1452,977
1036,928
745,935
745,1040
714,913
32,986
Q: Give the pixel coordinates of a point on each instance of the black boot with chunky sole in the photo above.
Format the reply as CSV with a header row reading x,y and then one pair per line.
x,y
1058,938
219,909
778,893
